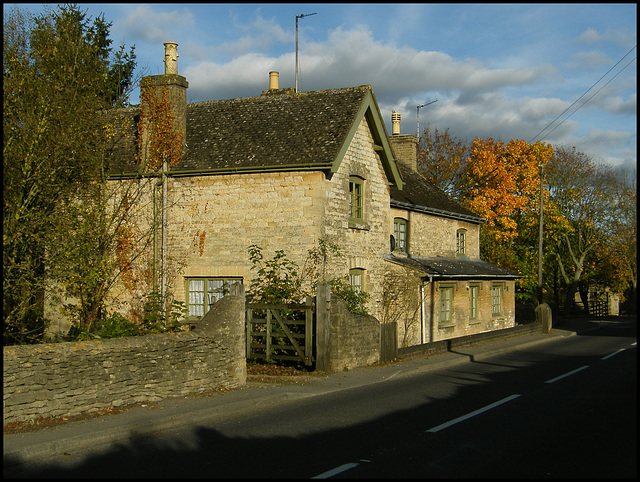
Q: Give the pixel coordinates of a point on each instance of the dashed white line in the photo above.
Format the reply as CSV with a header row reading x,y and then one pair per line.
x,y
337,470
472,414
612,354
567,374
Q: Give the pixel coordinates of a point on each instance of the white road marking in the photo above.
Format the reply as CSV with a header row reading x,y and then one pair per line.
x,y
611,354
337,470
472,414
567,374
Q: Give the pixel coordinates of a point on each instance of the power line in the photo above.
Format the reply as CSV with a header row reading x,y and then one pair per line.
x,y
585,93
588,99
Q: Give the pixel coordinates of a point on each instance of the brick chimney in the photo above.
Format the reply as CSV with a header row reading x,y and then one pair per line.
x,y
176,87
405,147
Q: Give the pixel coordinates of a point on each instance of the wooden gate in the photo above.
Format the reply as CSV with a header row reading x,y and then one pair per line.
x,y
280,331
599,306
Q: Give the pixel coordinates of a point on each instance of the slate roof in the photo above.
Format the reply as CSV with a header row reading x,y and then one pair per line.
x,y
282,130
442,268
419,194
279,129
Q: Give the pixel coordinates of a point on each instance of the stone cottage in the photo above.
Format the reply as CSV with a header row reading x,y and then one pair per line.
x,y
284,170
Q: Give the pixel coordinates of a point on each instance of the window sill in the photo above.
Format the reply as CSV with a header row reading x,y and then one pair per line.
x,y
447,325
359,225
475,322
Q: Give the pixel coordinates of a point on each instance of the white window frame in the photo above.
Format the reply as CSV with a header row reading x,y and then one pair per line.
x,y
356,279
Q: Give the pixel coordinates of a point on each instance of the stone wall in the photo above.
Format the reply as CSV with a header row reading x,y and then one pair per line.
x,y
431,235
62,379
362,246
460,324
442,346
355,339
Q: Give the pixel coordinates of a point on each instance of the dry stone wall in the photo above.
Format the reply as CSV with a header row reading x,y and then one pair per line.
x,y
62,379
355,339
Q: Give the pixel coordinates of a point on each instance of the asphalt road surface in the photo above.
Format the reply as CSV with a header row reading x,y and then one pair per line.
x,y
561,409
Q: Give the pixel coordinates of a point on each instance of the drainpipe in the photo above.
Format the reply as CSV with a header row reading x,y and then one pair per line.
x,y
155,236
424,316
164,228
432,308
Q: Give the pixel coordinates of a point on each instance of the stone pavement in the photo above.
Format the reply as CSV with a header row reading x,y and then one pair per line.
x,y
181,412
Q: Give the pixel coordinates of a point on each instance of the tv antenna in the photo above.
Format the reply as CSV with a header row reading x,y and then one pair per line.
x,y
297,17
418,116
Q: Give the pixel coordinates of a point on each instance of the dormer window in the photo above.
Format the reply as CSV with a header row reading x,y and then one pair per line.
x,y
461,242
400,234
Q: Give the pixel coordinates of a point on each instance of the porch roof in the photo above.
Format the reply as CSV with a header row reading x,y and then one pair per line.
x,y
442,268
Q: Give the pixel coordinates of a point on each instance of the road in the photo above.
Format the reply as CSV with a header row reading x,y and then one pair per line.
x,y
565,408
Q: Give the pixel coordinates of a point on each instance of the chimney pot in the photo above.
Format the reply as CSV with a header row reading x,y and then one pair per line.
x,y
395,122
274,83
170,58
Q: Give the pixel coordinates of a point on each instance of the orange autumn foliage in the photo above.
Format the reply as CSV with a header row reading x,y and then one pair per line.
x,y
502,181
156,118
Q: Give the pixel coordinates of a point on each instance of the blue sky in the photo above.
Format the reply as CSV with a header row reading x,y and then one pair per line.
x,y
496,70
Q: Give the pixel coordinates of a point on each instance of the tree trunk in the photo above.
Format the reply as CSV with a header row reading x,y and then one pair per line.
x,y
570,298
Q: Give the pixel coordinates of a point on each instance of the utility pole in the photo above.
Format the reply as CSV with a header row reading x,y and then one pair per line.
x,y
540,238
297,17
418,116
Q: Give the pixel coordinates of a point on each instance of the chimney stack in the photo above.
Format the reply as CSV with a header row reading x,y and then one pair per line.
x,y
405,147
175,87
170,58
274,83
395,121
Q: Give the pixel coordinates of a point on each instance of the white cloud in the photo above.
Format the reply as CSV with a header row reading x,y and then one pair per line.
x,y
619,37
261,34
588,60
146,24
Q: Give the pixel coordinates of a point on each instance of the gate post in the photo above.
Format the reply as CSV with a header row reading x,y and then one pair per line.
x,y
323,327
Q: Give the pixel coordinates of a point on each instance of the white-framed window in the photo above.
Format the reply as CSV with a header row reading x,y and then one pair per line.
x,y
446,305
474,290
400,233
461,242
204,292
356,279
496,299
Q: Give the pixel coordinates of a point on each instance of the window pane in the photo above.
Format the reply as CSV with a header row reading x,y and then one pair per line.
x,y
196,297
400,233
445,304
355,280
496,300
216,290
461,240
355,191
473,302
